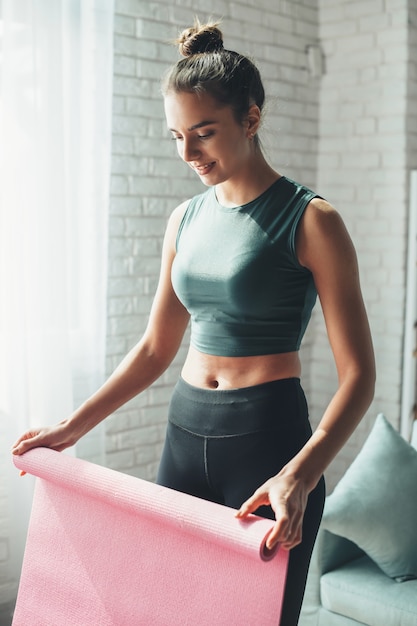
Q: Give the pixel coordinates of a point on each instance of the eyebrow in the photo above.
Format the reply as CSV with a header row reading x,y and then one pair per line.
x,y
195,126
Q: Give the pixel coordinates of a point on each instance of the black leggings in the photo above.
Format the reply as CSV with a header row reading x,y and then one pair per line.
x,y
221,445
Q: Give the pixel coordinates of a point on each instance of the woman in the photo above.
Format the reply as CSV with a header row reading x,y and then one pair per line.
x,y
245,260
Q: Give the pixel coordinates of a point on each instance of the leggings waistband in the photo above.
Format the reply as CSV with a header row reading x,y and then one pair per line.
x,y
274,405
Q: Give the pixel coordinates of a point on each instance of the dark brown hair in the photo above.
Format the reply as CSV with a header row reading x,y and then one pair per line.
x,y
229,77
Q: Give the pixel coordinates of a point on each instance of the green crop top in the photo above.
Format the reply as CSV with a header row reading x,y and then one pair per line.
x,y
237,273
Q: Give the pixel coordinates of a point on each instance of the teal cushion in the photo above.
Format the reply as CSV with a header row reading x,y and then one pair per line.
x,y
375,503
361,591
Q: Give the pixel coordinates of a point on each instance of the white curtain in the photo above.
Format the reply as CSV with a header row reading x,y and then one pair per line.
x,y
55,136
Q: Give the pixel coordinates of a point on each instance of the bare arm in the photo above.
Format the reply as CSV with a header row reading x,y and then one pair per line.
x,y
140,367
325,247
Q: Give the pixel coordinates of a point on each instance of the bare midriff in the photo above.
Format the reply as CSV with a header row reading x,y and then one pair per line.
x,y
224,372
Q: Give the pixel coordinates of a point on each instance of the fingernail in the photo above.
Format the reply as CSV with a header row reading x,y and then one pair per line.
x,y
22,473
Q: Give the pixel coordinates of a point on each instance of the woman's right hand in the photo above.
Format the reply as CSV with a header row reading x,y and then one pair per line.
x,y
57,437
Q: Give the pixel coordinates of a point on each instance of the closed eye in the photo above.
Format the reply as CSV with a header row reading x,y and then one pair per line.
x,y
205,136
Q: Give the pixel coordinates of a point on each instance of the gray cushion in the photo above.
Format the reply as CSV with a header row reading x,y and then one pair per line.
x,y
375,503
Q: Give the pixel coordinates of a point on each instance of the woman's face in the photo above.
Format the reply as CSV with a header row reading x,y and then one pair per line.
x,y
208,136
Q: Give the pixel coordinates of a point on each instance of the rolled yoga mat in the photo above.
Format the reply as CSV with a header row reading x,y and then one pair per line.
x,y
107,549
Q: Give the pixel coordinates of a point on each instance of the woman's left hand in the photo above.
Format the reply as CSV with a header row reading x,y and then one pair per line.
x,y
288,499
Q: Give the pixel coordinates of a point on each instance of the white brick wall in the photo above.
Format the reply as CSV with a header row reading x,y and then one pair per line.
x,y
411,122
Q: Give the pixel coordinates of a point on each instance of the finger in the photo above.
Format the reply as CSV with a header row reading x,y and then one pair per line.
x,y
288,526
289,535
19,441
26,444
292,541
19,448
25,437
252,503
279,533
287,539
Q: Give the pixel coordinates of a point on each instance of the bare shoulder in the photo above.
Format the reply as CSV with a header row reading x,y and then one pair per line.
x,y
174,222
178,213
322,234
320,214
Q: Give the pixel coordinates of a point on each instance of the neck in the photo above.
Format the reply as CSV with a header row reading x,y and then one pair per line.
x,y
249,185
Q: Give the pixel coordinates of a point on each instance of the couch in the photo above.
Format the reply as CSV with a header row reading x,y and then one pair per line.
x,y
364,565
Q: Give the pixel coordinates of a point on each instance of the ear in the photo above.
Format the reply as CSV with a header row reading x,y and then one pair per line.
x,y
252,121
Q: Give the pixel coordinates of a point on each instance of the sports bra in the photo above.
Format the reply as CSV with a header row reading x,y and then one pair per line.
x,y
236,271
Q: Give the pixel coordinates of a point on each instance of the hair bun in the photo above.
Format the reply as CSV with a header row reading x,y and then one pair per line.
x,y
200,38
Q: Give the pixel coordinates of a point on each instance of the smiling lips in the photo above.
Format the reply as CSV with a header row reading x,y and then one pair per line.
x,y
203,169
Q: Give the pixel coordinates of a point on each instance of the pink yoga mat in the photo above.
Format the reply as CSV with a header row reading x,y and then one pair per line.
x,y
107,549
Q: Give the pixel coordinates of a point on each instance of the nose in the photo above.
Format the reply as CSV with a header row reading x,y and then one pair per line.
x,y
189,150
